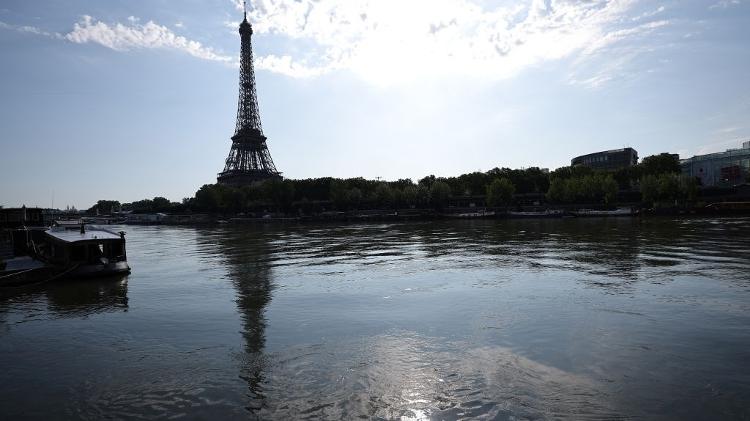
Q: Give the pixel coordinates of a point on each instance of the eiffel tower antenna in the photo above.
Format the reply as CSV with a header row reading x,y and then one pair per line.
x,y
249,160
244,7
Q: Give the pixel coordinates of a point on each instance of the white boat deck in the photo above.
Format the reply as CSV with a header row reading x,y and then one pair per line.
x,y
71,236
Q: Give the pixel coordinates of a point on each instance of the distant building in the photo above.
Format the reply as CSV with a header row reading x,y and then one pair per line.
x,y
608,160
19,217
722,169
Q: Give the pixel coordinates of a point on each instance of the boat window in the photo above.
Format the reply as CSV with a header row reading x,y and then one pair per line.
x,y
95,252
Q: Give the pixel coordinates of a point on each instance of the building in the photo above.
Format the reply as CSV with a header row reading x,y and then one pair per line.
x,y
20,217
722,169
608,160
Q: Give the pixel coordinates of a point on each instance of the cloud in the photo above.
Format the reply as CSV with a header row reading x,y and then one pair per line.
x,y
387,41
138,36
614,60
650,13
29,30
725,130
232,24
723,4
285,65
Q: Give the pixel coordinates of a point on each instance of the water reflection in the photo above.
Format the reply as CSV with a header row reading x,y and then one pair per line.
x,y
404,375
546,319
85,297
246,254
71,298
409,375
622,249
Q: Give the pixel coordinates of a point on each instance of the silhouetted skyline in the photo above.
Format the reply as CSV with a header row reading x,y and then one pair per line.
x,y
129,100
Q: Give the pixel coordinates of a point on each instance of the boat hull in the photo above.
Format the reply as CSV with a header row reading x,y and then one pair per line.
x,y
100,270
28,277
544,214
604,213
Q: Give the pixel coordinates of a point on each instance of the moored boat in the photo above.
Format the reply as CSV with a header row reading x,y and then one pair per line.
x,y
549,213
25,271
88,252
471,215
613,212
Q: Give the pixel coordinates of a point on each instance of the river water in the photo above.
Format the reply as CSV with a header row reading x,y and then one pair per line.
x,y
507,320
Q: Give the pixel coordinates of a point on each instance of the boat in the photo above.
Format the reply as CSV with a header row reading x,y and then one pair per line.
x,y
471,215
613,212
72,224
549,213
25,271
88,252
728,207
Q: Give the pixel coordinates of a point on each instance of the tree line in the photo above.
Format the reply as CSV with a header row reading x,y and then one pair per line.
x,y
657,178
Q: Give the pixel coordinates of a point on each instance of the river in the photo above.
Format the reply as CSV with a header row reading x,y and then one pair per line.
x,y
507,320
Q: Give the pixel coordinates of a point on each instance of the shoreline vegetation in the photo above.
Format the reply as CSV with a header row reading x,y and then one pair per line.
x,y
653,187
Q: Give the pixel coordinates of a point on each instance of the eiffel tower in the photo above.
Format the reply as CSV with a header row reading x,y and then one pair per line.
x,y
249,160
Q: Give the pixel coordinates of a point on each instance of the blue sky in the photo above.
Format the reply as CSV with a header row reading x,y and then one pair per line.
x,y
133,99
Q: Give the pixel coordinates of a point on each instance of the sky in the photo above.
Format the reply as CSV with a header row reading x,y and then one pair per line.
x,y
132,99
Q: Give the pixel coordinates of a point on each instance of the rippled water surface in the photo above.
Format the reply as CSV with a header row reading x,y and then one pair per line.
x,y
507,320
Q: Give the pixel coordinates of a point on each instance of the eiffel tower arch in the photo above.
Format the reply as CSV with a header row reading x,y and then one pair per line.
x,y
249,160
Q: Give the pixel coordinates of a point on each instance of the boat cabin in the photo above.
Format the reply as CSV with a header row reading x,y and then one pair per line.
x,y
84,246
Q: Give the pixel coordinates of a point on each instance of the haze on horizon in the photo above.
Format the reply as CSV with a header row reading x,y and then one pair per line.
x,y
130,100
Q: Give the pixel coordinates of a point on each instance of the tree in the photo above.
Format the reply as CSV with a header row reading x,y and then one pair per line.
x,y
383,195
423,196
427,181
649,189
397,198
572,190
500,192
401,183
104,206
339,194
235,199
160,204
664,163
207,198
253,193
280,192
475,183
690,187
588,188
609,187
557,190
354,196
440,192
410,196
668,187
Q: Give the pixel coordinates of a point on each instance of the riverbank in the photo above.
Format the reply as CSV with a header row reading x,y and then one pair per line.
x,y
526,212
